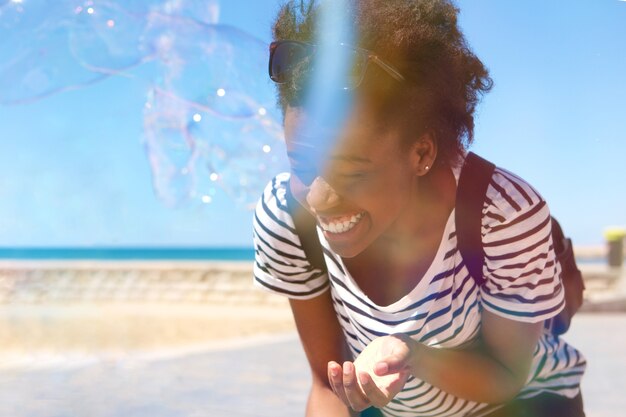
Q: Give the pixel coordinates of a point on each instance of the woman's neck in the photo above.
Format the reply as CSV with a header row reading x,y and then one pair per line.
x,y
420,228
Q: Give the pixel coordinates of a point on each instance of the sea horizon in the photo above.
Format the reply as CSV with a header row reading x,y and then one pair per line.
x,y
138,253
164,253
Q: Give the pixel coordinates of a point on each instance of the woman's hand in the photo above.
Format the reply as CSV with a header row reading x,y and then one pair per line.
x,y
377,374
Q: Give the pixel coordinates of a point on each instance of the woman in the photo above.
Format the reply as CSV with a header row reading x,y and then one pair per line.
x,y
396,322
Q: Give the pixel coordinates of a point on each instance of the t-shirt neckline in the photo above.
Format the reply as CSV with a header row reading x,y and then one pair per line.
x,y
419,290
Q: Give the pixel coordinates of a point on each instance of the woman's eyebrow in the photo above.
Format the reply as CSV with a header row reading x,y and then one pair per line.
x,y
302,151
351,158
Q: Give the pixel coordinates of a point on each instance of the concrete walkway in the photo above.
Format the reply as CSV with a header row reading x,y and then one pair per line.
x,y
602,339
606,288
258,378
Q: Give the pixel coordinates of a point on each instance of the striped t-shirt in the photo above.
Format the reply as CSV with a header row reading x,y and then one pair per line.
x,y
443,310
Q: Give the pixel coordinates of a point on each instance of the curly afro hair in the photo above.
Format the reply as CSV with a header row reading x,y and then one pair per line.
x,y
444,79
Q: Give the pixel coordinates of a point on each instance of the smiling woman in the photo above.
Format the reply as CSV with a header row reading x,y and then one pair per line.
x,y
394,320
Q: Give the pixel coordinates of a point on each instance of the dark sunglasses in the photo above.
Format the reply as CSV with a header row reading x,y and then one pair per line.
x,y
288,57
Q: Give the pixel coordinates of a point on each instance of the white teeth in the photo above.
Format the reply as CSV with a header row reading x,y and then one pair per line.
x,y
341,226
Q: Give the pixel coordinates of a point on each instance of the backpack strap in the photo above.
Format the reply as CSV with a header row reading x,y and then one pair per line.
x,y
306,229
571,277
470,198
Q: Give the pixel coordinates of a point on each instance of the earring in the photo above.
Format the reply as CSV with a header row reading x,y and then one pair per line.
x,y
426,167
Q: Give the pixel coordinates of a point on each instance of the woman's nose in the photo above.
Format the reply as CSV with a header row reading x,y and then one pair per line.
x,y
321,195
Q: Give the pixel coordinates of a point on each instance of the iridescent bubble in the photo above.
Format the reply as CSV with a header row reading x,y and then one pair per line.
x,y
215,66
171,150
46,49
209,117
106,37
190,158
218,73
35,60
205,11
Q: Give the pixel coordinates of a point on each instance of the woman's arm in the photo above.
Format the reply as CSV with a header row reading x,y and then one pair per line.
x,y
521,290
323,341
492,371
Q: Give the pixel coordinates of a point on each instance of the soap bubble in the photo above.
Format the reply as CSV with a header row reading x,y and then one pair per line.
x,y
215,66
106,37
215,72
35,58
191,158
209,117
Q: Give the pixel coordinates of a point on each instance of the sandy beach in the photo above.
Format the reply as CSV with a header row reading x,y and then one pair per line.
x,y
165,339
54,312
62,312
82,328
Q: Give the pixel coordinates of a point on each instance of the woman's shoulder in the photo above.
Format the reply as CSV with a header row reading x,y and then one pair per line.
x,y
281,265
275,192
510,197
272,215
521,275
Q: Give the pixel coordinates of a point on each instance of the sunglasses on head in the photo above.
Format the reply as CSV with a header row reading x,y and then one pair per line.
x,y
288,57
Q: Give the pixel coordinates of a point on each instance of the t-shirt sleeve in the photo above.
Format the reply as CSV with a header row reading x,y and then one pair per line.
x,y
522,276
280,264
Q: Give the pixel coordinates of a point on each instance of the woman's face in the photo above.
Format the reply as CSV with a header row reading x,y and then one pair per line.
x,y
360,189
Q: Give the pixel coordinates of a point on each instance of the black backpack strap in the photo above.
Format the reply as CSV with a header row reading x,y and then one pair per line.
x,y
470,198
306,230
571,277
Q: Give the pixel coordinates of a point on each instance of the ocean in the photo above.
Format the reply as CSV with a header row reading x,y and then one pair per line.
x,y
157,254
129,253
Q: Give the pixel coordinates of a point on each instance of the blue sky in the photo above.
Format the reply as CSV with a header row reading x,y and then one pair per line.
x,y
75,170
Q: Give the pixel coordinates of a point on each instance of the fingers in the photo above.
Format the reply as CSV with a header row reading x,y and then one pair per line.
x,y
390,365
357,399
381,368
345,385
376,397
335,378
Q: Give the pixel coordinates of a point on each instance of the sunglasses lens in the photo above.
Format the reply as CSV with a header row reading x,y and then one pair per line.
x,y
290,59
286,59
358,62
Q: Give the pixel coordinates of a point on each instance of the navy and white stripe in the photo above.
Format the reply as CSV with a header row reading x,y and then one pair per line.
x,y
443,310
520,271
280,263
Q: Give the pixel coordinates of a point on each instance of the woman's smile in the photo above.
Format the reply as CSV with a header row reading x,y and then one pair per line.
x,y
340,224
344,233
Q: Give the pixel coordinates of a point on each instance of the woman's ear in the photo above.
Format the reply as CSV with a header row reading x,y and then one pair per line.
x,y
423,153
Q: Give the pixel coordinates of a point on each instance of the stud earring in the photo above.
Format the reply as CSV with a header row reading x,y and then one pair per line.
x,y
427,167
